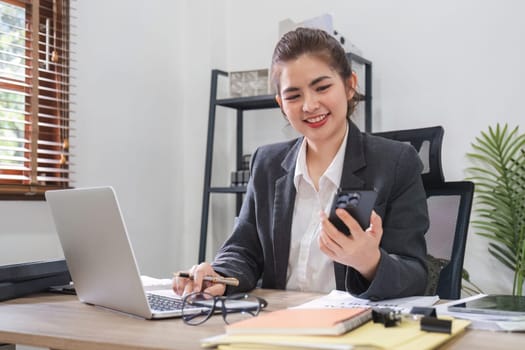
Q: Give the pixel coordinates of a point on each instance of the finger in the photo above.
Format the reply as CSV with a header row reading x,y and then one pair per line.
x,y
330,230
349,221
331,240
201,271
198,277
178,283
188,288
325,244
329,235
216,289
376,224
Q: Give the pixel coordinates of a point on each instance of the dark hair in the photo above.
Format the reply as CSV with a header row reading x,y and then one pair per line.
x,y
314,42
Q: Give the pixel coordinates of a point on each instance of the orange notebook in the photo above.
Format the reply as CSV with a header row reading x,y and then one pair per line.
x,y
303,321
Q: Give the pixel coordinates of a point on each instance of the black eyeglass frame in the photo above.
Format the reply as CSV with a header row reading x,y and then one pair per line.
x,y
261,304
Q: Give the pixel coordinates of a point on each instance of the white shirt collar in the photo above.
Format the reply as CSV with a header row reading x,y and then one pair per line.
x,y
334,171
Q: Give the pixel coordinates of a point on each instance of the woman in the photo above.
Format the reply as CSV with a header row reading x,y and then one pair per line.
x,y
282,238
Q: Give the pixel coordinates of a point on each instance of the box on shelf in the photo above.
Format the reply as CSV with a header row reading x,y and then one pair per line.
x,y
240,177
249,83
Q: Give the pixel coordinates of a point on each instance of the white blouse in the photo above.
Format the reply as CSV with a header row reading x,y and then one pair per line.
x,y
309,269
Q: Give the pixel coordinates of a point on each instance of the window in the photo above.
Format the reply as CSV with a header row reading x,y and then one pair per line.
x,y
34,97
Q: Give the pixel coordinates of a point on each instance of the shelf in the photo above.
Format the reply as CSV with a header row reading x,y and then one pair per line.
x,y
237,189
356,58
247,103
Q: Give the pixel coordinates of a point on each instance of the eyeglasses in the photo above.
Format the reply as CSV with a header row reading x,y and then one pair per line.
x,y
198,307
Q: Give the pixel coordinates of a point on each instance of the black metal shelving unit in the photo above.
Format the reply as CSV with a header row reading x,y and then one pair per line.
x,y
242,104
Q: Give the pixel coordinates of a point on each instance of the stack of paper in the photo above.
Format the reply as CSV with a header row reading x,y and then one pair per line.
x,y
406,335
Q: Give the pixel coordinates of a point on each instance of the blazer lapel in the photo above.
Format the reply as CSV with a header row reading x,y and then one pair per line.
x,y
283,214
354,161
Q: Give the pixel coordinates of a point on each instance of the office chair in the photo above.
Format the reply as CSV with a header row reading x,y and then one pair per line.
x,y
449,207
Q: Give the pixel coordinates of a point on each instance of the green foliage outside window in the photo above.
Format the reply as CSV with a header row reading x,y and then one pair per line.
x,y
12,65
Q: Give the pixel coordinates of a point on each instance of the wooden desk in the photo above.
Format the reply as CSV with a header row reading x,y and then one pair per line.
x,y
62,322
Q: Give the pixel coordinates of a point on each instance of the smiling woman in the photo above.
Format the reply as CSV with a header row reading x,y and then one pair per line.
x,y
282,238
34,97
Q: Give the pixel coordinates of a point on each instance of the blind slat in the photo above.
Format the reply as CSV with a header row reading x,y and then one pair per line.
x,y
21,160
12,111
50,161
26,141
53,117
14,64
14,55
14,149
25,122
62,177
51,152
14,92
13,177
13,139
54,126
15,45
11,102
13,167
19,83
13,158
28,75
54,170
41,151
52,178
16,121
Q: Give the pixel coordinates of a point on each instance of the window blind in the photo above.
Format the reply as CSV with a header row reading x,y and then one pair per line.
x,y
34,97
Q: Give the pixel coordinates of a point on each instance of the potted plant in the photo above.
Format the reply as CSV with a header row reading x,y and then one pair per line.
x,y
498,172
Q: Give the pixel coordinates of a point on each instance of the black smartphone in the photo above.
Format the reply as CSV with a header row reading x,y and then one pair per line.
x,y
358,203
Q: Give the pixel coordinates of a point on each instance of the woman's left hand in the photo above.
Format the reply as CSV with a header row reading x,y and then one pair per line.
x,y
360,250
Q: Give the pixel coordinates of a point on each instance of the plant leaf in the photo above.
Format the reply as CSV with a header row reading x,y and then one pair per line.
x,y
498,172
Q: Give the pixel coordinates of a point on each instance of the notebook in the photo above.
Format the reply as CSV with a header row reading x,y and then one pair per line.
x,y
98,252
334,321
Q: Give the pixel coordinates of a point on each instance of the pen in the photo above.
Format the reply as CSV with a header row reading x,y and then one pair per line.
x,y
229,281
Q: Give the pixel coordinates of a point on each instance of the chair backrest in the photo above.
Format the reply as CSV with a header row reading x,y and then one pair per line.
x,y
449,207
427,142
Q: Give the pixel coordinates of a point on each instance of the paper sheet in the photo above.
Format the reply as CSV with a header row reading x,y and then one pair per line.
x,y
341,299
152,283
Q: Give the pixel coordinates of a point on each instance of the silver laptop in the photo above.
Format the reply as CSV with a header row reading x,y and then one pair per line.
x,y
98,252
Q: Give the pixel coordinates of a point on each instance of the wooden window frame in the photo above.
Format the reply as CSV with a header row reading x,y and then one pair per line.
x,y
47,102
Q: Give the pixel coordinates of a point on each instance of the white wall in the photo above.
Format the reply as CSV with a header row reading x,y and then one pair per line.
x,y
128,120
142,91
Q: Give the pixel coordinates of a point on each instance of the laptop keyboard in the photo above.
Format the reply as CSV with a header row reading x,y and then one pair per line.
x,y
162,303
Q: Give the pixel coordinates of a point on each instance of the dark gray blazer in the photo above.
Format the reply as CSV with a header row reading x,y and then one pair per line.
x,y
258,248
